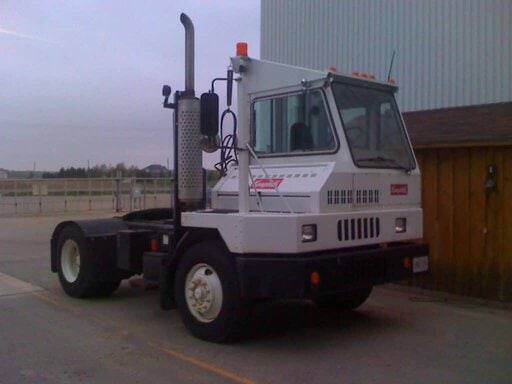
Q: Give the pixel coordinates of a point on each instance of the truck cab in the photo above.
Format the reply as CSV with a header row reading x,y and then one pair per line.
x,y
328,149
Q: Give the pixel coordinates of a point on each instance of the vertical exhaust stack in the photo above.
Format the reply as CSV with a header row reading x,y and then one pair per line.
x,y
190,155
189,54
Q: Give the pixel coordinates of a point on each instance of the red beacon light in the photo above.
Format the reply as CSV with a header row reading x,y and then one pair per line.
x,y
242,49
332,68
391,81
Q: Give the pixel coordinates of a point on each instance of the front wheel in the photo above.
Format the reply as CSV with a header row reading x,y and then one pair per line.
x,y
344,301
208,295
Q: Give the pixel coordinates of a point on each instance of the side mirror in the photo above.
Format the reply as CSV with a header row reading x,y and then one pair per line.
x,y
166,91
209,114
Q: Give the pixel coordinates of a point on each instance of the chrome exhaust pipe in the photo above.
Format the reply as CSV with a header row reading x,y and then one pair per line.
x,y
189,54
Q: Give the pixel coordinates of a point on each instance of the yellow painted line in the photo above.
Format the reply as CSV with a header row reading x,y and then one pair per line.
x,y
203,364
177,355
58,303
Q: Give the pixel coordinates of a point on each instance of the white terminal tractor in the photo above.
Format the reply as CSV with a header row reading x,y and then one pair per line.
x,y
319,198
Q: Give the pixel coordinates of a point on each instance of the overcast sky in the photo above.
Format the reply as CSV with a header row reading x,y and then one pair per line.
x,y
81,79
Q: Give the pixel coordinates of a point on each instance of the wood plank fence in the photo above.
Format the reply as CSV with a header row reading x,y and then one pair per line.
x,y
468,226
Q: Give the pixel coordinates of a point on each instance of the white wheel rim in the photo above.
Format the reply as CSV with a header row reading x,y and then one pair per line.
x,y
70,260
203,293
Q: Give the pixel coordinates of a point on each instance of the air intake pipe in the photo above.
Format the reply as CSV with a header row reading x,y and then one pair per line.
x,y
190,155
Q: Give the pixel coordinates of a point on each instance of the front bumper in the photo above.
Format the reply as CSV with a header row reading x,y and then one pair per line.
x,y
265,276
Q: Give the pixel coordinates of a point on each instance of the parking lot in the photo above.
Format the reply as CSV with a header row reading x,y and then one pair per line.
x,y
397,336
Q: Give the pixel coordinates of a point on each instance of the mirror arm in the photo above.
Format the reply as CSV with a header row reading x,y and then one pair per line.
x,y
167,104
229,87
212,90
229,80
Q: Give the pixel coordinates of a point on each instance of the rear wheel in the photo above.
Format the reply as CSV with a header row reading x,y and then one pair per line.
x,y
344,301
76,268
207,293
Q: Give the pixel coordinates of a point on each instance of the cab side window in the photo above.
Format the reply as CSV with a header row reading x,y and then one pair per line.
x,y
292,123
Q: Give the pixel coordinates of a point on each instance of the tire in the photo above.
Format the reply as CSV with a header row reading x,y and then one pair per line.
x,y
106,288
208,295
76,267
344,301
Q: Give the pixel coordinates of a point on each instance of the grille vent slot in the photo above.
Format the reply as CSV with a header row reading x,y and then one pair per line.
x,y
346,196
367,196
357,229
339,196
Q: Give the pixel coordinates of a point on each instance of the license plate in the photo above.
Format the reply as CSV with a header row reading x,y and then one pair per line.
x,y
420,264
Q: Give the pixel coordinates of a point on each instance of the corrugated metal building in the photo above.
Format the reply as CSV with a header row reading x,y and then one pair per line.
x,y
448,52
453,65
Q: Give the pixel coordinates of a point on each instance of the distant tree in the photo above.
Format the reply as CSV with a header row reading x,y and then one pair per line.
x,y
96,171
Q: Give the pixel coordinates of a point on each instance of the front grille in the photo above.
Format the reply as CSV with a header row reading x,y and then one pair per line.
x,y
358,228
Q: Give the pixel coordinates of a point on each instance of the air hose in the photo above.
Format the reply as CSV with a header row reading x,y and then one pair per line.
x,y
228,154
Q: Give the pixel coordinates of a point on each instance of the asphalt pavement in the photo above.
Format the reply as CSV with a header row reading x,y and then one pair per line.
x,y
397,336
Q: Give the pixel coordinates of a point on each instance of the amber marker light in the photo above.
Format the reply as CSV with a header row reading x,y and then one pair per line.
x,y
407,263
314,278
242,49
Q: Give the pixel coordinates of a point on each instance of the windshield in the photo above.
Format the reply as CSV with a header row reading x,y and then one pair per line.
x,y
295,124
373,127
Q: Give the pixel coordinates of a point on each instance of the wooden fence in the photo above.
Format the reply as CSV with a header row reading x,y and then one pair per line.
x,y
468,226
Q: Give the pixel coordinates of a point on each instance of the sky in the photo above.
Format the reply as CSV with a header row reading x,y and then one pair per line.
x,y
81,80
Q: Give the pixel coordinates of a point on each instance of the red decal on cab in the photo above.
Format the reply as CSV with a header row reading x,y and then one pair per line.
x,y
399,189
267,183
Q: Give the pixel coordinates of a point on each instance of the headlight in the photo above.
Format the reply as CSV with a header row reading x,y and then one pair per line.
x,y
400,225
308,233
